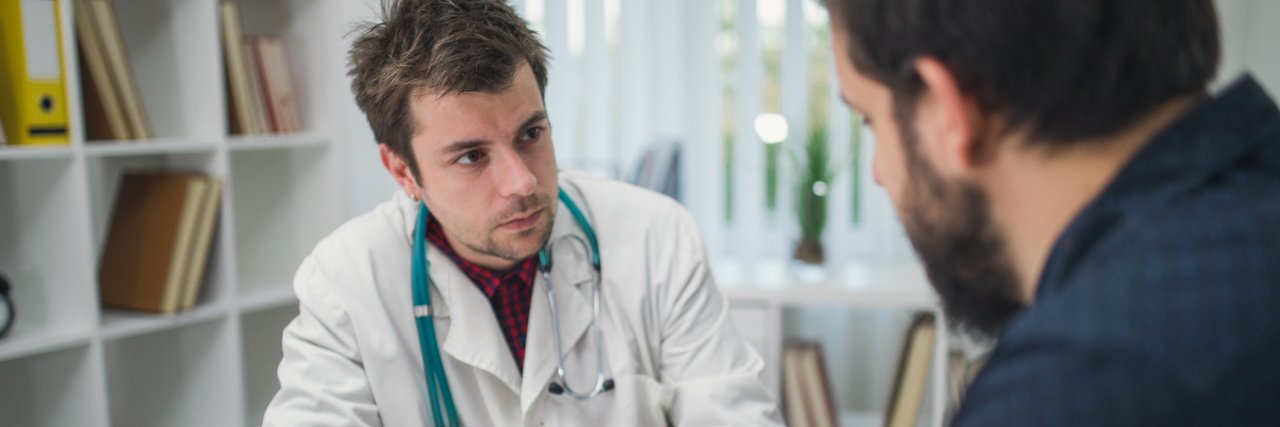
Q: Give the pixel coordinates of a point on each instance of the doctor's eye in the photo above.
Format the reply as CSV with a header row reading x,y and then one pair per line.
x,y
531,134
470,157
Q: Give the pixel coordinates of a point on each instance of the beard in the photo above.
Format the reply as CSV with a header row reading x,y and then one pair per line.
x,y
484,242
965,256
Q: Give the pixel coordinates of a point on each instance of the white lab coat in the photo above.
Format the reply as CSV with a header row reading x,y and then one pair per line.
x,y
352,357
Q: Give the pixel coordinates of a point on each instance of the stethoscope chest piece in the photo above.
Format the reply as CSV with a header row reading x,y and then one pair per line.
x,y
561,386
557,389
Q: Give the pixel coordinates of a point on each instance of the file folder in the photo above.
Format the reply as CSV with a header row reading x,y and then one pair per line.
x,y
33,100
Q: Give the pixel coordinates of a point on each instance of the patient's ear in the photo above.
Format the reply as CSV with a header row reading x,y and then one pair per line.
x,y
950,121
400,171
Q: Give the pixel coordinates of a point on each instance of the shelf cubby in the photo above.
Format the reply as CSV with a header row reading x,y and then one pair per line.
x,y
860,357
297,21
275,193
61,388
177,377
105,174
43,253
174,48
261,333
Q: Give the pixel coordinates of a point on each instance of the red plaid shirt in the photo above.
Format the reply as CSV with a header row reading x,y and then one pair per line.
x,y
509,292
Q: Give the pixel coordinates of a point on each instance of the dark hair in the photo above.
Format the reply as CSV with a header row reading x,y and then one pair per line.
x,y
1063,69
440,47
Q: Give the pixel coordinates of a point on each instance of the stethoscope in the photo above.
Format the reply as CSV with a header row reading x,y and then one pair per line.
x,y
438,393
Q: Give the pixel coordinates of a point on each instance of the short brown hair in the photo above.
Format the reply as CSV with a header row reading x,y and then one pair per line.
x,y
441,47
1067,71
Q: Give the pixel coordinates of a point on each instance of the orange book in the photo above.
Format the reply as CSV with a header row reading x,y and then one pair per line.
x,y
144,260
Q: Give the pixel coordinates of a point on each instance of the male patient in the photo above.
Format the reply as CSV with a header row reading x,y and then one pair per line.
x,y
1074,190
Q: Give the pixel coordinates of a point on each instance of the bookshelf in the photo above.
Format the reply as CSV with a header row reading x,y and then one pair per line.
x,y
871,304
70,362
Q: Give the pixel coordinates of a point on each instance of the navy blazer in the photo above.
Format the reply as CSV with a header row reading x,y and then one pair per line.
x,y
1158,304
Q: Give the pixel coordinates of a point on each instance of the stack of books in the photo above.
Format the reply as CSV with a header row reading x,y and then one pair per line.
x,y
113,108
158,244
261,97
806,394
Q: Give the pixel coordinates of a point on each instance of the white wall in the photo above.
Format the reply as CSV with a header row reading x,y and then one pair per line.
x,y
364,182
1251,41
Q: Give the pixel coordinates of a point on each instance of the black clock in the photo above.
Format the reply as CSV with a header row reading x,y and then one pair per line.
x,y
6,307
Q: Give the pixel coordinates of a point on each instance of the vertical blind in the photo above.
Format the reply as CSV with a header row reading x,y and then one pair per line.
x,y
625,74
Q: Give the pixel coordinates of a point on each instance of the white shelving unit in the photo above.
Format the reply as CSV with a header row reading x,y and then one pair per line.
x,y
69,362
770,300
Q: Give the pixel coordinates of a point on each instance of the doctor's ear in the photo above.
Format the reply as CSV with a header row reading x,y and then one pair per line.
x,y
399,170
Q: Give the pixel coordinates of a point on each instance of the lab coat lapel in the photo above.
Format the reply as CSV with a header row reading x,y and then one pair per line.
x,y
474,336
570,269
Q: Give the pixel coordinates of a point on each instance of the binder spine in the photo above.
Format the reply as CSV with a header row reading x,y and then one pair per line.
x,y
33,101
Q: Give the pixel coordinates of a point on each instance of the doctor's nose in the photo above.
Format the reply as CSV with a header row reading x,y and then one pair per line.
x,y
514,177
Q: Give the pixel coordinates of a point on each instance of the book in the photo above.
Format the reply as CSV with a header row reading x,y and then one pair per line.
x,y
124,83
793,391
33,101
148,245
199,254
261,116
239,93
277,83
807,398
104,115
286,94
911,376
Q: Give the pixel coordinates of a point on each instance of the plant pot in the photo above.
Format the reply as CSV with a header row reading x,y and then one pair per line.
x,y
810,252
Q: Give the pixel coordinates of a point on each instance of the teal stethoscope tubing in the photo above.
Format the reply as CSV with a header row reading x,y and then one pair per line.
x,y
438,393
437,384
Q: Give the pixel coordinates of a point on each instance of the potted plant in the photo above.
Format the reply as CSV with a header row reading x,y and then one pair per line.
x,y
815,171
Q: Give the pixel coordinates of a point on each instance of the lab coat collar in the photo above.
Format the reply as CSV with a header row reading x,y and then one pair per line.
x,y
476,339
570,270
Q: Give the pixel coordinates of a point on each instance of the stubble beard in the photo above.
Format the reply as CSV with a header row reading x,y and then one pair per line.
x,y
489,246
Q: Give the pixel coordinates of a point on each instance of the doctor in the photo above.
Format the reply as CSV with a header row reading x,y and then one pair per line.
x,y
453,90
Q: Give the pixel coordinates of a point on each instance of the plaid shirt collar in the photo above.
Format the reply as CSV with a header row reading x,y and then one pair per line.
x,y
487,280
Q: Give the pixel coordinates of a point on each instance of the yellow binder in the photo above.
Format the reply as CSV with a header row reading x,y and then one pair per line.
x,y
33,100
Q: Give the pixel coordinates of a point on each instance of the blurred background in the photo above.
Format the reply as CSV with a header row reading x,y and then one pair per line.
x,y
730,106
